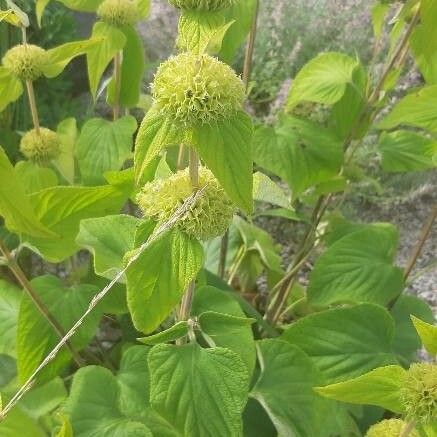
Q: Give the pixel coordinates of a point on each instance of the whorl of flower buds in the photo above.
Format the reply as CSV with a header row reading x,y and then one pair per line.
x,y
202,5
209,217
419,392
26,61
40,147
389,428
197,89
118,13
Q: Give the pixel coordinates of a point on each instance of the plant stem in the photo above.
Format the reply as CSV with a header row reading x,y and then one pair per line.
x,y
250,47
117,84
408,428
32,105
426,230
184,309
181,156
27,287
223,254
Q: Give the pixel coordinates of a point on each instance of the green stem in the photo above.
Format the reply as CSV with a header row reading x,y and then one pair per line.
x,y
247,68
32,105
117,84
27,287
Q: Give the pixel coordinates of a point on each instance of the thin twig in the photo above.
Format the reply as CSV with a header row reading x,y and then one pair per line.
x,y
247,68
32,105
33,295
224,243
181,157
424,234
99,296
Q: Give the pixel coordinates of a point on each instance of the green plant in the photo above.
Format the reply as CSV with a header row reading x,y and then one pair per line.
x,y
137,244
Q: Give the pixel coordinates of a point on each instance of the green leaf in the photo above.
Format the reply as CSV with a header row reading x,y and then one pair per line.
x,y
345,342
82,5
406,341
62,208
10,17
10,88
177,331
418,109
427,333
226,148
241,13
10,297
15,205
132,70
18,423
43,399
94,406
67,132
379,11
206,393
201,31
143,7
36,337
285,388
322,80
260,241
35,178
230,332
112,40
265,190
104,145
300,152
61,56
108,239
157,280
407,151
155,133
380,387
40,7
8,370
358,268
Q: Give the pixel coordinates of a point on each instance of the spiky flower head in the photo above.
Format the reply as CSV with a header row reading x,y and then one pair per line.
x,y
389,428
209,217
40,147
118,13
419,392
202,5
197,89
26,61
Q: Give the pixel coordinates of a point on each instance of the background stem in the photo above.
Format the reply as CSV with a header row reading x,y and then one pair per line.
x,y
27,287
247,68
32,105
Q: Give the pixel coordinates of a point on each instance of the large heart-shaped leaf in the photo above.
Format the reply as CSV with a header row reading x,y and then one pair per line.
x,y
207,390
103,146
358,268
300,152
285,389
407,151
62,208
418,109
157,280
96,400
226,148
108,238
34,177
345,342
36,337
15,205
323,79
380,387
112,40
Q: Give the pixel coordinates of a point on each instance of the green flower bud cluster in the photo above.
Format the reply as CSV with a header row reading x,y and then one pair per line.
x,y
389,428
202,5
40,147
26,61
419,393
197,89
209,217
118,13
